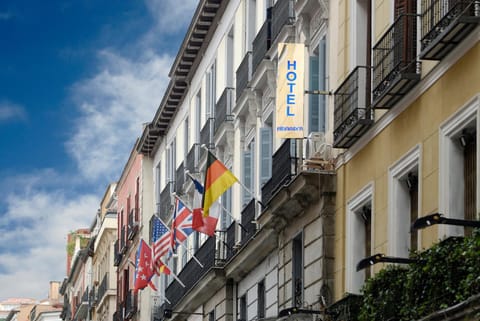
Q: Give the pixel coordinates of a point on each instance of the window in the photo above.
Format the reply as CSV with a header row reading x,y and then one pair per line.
x,y
198,115
297,270
171,160
266,153
248,171
242,309
229,58
211,315
157,185
226,218
317,81
403,203
361,27
186,137
211,91
261,300
251,17
458,170
359,237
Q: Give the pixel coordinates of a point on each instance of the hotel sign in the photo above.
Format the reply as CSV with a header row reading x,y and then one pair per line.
x,y
290,90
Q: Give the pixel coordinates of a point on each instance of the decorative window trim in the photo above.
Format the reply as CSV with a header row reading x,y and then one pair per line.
x,y
449,203
364,196
396,230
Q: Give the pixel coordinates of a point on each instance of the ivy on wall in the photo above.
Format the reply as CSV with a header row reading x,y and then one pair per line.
x,y
446,274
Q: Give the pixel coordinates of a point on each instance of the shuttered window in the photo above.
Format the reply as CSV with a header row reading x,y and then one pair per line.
x,y
413,191
317,81
248,170
470,181
265,154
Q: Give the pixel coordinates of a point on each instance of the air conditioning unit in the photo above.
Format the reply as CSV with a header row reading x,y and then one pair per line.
x,y
317,148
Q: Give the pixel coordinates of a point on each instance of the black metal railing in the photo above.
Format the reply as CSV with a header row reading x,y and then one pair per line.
x,y
192,272
103,287
395,68
166,204
261,43
283,169
283,13
445,23
193,158
123,240
346,309
180,178
118,256
231,240
244,73
247,218
221,248
132,223
207,132
92,297
85,296
352,115
130,304
223,108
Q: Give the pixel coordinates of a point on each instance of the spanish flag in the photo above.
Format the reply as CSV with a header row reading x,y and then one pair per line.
x,y
217,180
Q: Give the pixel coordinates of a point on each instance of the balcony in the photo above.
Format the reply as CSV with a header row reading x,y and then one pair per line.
x,y
345,309
123,241
102,288
445,24
192,273
352,116
230,241
283,168
244,73
247,217
82,307
132,223
283,13
118,256
179,178
262,42
207,132
395,68
223,109
92,298
130,304
166,205
193,158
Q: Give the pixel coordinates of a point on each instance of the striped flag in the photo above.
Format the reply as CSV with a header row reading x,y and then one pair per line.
x,y
181,224
217,180
161,245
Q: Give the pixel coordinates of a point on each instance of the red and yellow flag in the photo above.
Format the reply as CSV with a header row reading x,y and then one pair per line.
x,y
217,180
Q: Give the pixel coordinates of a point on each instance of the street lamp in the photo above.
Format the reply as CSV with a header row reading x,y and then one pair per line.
x,y
438,218
382,258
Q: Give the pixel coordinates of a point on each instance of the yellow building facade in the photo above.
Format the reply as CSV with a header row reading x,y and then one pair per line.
x,y
407,125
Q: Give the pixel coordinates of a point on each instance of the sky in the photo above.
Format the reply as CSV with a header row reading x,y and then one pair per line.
x,y
78,79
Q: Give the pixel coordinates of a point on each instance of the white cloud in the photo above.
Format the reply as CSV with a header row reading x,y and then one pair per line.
x,y
113,105
11,111
171,15
33,234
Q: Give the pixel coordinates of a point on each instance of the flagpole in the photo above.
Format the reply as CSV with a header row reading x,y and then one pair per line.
x,y
239,182
181,244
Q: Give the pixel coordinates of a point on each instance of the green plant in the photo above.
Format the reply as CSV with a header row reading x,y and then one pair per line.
x,y
447,273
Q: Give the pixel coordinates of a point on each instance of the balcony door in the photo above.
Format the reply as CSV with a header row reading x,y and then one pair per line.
x,y
406,33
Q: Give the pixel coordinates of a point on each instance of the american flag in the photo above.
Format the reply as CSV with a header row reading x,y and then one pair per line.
x,y
161,243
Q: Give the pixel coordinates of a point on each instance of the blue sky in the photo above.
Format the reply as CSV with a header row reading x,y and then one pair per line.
x,y
78,79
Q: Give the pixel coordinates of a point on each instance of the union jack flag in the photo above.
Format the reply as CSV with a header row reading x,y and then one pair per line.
x,y
161,244
182,223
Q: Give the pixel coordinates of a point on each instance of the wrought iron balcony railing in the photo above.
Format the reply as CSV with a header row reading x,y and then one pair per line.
x,y
445,24
92,297
283,13
395,67
223,108
192,272
248,227
244,73
118,256
123,240
132,223
261,43
130,304
283,169
231,240
180,178
193,157
207,132
103,287
166,204
352,116
345,309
